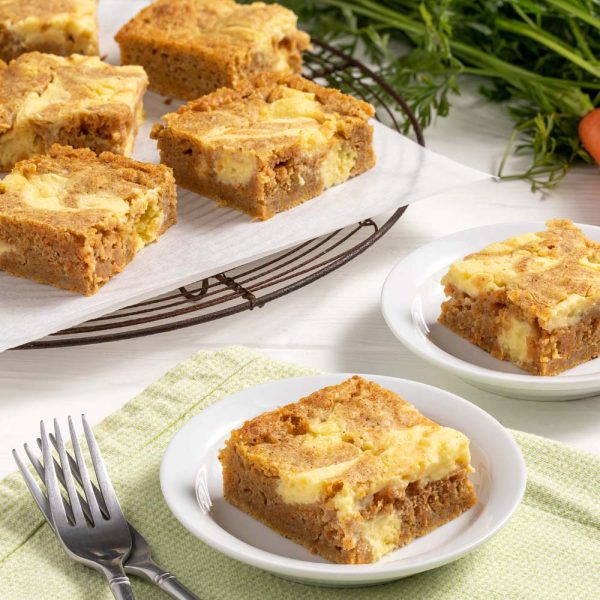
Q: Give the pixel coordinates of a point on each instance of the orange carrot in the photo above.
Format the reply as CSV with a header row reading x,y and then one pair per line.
x,y
589,133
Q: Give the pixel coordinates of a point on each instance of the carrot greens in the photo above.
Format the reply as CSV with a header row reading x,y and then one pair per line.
x,y
539,57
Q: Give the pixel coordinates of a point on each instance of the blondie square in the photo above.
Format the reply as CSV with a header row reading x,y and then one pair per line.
x,y
192,47
268,145
56,26
78,101
73,219
352,472
533,299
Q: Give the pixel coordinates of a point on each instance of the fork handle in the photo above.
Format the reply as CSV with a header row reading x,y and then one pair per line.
x,y
163,579
119,584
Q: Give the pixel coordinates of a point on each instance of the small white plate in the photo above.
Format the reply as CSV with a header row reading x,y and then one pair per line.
x,y
499,480
411,300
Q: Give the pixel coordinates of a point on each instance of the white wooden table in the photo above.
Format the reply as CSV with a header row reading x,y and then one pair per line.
x,y
334,324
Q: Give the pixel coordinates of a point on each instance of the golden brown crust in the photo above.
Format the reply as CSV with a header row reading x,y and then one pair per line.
x,y
100,212
60,27
275,439
205,24
267,87
361,404
576,269
19,79
92,173
12,11
192,47
32,72
241,109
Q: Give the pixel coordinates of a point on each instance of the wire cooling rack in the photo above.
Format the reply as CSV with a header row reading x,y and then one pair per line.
x,y
253,285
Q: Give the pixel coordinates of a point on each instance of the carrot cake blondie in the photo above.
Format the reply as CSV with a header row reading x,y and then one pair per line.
x,y
192,47
73,219
78,101
269,145
352,472
57,26
533,299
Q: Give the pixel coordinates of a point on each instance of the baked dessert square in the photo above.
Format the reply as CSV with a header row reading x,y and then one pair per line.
x,y
268,145
78,101
533,300
56,26
74,220
193,47
352,472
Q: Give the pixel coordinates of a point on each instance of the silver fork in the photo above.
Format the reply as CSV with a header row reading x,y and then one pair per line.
x,y
139,562
103,544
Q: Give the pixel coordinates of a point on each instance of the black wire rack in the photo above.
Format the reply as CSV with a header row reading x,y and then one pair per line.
x,y
253,285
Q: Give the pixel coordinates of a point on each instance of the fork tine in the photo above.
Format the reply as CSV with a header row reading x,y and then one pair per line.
x,y
69,482
34,488
59,473
108,492
34,460
55,499
82,474
75,470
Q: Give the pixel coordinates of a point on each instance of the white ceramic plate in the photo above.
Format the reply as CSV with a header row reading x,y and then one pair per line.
x,y
411,300
499,480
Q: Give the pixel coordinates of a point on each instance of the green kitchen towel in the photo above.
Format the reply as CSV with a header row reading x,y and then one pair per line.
x,y
550,548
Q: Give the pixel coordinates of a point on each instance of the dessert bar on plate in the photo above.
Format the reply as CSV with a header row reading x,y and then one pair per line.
x,y
57,26
352,471
78,101
269,145
533,299
73,219
192,47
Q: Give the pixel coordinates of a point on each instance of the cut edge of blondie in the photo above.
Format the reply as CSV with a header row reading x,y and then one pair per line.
x,y
423,510
512,337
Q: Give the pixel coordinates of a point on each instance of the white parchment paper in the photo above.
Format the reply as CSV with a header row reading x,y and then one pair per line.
x,y
209,239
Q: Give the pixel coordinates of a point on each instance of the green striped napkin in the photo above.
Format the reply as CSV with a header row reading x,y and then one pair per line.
x,y
550,548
